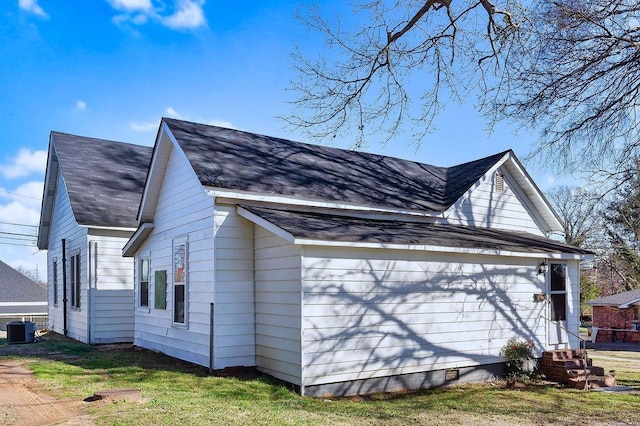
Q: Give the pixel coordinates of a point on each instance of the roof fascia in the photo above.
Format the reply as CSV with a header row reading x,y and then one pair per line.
x,y
456,206
48,196
228,196
629,303
137,239
108,228
542,208
147,196
265,224
444,249
165,142
547,213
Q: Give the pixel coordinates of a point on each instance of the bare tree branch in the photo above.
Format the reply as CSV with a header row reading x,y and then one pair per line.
x,y
362,84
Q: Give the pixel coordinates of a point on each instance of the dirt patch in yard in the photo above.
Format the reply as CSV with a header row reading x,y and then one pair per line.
x,y
23,403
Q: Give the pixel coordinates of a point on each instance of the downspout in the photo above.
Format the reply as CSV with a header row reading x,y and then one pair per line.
x,y
89,295
64,287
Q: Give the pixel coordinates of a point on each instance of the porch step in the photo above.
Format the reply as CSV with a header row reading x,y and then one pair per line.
x,y
568,367
595,382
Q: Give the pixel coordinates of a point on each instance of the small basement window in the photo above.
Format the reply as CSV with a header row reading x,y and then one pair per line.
x,y
499,182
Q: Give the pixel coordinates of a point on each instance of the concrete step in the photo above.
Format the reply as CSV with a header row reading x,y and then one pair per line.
x,y
595,382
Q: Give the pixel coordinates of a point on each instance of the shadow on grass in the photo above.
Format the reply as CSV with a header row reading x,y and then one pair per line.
x,y
137,364
174,383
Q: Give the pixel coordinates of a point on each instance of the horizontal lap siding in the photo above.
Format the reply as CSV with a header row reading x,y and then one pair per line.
x,y
182,210
64,226
113,316
375,313
112,288
486,207
573,302
278,298
235,304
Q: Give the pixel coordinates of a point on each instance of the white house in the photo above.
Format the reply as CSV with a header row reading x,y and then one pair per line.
x,y
91,195
344,272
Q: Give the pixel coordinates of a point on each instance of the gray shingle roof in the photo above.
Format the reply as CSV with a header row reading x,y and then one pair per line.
x,y
15,287
104,179
623,298
236,160
330,227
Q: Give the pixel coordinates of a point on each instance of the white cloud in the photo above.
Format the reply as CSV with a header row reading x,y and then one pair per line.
x,y
29,194
131,5
144,127
174,14
81,106
32,6
24,164
189,14
221,123
172,113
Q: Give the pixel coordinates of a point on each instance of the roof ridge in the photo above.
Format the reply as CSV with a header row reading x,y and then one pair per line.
x,y
333,148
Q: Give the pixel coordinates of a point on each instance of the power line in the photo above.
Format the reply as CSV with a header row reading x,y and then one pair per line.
x,y
19,238
19,195
16,244
18,224
17,233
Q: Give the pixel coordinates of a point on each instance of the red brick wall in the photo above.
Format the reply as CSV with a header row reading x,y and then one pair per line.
x,y
613,317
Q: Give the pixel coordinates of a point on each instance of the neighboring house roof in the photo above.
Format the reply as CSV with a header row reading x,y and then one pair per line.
x,y
338,228
17,288
621,300
104,180
236,160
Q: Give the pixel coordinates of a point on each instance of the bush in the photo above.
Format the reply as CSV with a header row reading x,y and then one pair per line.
x,y
519,357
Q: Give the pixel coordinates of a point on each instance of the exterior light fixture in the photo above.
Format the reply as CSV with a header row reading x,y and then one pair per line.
x,y
542,268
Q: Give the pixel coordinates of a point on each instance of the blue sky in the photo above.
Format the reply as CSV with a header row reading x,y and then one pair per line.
x,y
112,68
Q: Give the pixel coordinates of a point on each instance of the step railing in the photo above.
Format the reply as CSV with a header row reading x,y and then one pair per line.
x,y
583,346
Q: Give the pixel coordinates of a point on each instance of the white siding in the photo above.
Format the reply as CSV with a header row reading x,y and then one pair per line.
x,y
375,313
182,210
112,312
278,298
111,288
486,207
235,304
573,302
64,226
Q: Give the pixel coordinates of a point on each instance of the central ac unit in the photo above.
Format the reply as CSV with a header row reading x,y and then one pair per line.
x,y
21,332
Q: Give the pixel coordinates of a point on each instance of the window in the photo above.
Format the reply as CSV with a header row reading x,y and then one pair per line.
x,y
180,280
75,281
54,269
144,282
558,292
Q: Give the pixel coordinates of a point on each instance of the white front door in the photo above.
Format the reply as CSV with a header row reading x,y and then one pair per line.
x,y
557,291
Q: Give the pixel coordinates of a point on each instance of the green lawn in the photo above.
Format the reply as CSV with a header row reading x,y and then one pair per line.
x,y
181,393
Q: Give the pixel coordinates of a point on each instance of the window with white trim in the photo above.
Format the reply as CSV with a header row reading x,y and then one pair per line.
x,y
180,280
558,292
54,270
143,279
75,281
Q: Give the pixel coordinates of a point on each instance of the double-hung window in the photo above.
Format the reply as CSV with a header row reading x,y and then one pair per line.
x,y
180,279
54,271
558,292
143,289
75,281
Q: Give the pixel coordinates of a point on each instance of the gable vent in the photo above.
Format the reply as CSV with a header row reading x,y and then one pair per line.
x,y
499,187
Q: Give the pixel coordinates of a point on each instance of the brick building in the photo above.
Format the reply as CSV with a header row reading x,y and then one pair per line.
x,y
616,318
